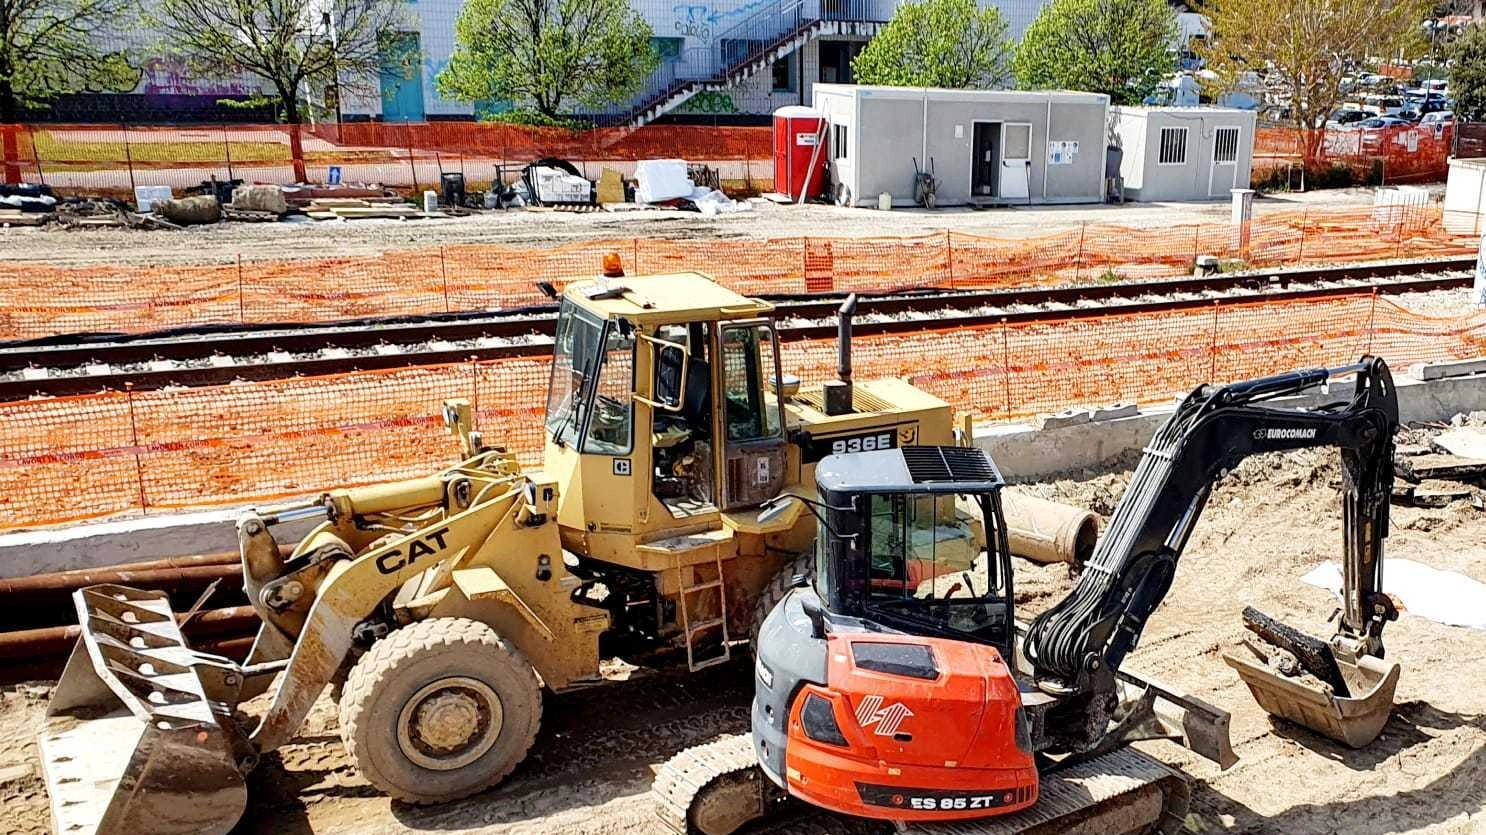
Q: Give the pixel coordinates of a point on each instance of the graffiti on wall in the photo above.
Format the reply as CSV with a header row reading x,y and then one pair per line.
x,y
701,21
164,77
709,103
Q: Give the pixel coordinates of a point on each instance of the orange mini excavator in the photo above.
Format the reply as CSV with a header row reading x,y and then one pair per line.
x,y
898,684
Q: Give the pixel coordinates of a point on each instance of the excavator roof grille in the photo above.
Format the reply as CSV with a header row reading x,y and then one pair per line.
x,y
910,469
927,464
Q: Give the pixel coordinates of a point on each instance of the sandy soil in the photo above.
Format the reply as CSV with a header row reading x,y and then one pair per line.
x,y
1266,525
62,247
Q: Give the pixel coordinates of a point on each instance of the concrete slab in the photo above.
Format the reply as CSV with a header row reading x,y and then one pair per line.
x,y
1026,453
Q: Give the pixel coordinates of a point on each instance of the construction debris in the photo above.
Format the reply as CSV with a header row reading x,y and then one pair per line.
x,y
344,208
190,211
1464,441
259,199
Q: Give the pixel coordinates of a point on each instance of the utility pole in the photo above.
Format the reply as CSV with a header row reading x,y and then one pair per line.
x,y
335,68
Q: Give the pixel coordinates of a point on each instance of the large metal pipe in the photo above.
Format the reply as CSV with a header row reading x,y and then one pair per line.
x,y
1046,531
30,644
164,579
837,394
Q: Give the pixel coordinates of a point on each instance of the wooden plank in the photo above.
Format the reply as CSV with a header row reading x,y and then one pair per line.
x,y
1421,467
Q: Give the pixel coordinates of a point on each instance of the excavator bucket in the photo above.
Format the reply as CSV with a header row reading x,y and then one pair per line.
x,y
139,735
1354,718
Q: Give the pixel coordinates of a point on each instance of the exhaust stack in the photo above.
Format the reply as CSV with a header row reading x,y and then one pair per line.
x,y
838,392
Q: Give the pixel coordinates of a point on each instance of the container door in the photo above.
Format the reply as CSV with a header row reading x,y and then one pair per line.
x,y
985,159
1016,160
1223,174
783,137
401,77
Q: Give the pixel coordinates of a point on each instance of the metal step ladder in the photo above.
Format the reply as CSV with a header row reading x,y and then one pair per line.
x,y
691,630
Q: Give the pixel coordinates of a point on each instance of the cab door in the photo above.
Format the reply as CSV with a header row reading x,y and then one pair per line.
x,y
750,415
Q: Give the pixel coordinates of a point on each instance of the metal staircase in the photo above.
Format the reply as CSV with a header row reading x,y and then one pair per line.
x,y
746,49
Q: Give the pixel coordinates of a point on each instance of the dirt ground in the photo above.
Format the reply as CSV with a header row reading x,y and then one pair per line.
x,y
1265,526
57,246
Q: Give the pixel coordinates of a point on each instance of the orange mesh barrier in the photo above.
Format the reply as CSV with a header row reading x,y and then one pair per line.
x,y
114,159
84,457
43,301
1406,154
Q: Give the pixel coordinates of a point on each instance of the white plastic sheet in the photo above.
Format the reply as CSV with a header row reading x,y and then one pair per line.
x,y
1446,597
659,180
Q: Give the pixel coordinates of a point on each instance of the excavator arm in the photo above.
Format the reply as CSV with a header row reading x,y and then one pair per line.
x,y
1077,647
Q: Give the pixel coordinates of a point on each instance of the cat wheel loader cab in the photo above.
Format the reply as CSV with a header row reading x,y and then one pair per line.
x,y
442,607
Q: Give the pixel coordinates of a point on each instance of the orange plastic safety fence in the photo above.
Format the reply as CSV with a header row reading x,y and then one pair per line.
x,y
43,300
83,457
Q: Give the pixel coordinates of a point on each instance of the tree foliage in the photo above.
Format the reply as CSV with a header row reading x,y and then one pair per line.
x,y
548,54
938,43
1305,48
47,49
286,43
1468,74
1123,48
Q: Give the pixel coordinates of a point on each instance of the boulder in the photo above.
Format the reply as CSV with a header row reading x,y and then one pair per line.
x,y
190,210
260,199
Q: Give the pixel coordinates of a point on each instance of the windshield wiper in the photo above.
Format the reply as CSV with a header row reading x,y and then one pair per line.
x,y
577,403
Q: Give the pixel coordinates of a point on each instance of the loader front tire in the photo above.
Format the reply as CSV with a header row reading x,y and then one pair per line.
x,y
802,565
439,710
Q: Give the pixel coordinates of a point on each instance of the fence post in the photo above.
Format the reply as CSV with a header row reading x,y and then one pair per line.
x,y
242,315
634,244
412,164
1305,221
1372,320
134,444
949,257
128,158
1078,263
12,152
40,172
1006,364
444,274
227,150
475,389
1212,347
1196,243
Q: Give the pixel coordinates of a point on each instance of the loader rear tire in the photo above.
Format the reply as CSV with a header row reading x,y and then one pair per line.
x,y
439,710
802,564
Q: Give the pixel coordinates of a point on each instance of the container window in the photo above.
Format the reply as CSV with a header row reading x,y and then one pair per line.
x,y
1173,146
1225,146
838,141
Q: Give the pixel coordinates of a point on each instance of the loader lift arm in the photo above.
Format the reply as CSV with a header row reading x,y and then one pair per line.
x,y
1077,646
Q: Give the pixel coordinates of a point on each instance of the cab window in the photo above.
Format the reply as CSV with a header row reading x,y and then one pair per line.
x,y
610,421
925,561
748,358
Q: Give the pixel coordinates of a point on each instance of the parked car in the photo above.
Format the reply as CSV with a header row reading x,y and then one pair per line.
x,y
1438,117
1346,118
1378,130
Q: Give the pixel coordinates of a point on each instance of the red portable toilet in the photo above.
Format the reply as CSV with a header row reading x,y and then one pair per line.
x,y
799,151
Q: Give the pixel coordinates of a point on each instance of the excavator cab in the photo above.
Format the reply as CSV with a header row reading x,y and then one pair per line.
x,y
885,688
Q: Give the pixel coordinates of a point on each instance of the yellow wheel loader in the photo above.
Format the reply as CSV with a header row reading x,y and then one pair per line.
x,y
444,606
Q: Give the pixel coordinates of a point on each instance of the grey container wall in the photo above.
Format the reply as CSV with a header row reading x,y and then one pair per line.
x,y
1197,177
885,128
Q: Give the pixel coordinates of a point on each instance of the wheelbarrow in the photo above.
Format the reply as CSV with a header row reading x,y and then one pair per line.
x,y
924,184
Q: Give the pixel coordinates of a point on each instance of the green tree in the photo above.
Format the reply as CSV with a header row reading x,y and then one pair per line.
x,y
47,49
938,43
1123,48
1304,48
548,54
1468,74
292,45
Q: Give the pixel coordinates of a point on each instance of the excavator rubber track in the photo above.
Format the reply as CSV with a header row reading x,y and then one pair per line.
x,y
707,788
1119,793
710,785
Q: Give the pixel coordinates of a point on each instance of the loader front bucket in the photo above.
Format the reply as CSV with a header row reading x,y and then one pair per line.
x,y
139,735
1353,720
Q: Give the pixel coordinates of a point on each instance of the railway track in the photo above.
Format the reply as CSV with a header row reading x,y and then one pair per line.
x,y
80,364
